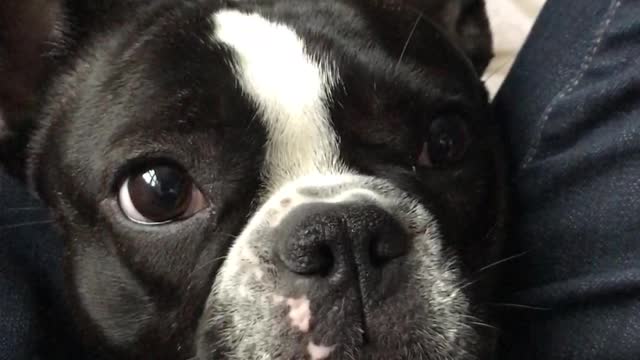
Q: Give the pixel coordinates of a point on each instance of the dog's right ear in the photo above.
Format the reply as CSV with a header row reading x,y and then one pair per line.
x,y
29,31
465,22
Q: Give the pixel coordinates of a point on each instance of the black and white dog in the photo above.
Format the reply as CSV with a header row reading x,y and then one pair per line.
x,y
262,179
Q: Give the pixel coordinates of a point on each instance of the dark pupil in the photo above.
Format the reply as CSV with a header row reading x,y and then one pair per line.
x,y
446,141
160,194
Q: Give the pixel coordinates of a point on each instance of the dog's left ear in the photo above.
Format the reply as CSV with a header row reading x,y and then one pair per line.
x,y
465,22
28,31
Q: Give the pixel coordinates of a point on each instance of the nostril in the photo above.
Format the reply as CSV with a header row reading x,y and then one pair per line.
x,y
315,259
307,252
391,242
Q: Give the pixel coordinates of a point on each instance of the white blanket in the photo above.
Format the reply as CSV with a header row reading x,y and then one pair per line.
x,y
511,21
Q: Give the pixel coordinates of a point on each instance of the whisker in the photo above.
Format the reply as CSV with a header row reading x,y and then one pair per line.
x,y
471,321
519,306
30,223
502,261
406,44
232,236
473,318
253,118
209,263
484,325
479,274
470,283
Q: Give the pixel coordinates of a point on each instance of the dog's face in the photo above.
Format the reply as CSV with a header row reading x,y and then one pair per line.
x,y
274,180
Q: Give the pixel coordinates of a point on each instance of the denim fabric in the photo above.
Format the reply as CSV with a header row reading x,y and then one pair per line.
x,y
571,106
34,323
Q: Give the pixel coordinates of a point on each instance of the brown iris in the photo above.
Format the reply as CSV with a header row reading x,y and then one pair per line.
x,y
445,143
161,193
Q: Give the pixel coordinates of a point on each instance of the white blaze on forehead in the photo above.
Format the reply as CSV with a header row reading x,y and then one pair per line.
x,y
291,91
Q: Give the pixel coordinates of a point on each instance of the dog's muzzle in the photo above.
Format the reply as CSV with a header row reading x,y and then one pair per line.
x,y
352,267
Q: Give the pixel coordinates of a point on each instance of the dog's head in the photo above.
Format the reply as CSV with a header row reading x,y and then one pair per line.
x,y
282,179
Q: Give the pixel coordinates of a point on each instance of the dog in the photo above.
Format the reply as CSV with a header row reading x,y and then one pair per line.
x,y
275,179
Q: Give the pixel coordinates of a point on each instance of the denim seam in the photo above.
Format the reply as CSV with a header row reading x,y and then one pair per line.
x,y
568,89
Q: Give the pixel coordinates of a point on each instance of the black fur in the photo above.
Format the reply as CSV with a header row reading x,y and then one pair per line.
x,y
121,84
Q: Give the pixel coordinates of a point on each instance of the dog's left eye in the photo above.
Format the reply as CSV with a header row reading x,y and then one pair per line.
x,y
159,195
445,143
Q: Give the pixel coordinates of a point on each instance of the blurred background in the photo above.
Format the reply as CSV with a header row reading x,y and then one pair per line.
x,y
511,21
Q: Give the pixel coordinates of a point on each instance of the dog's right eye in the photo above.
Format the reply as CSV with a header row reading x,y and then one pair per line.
x,y
159,195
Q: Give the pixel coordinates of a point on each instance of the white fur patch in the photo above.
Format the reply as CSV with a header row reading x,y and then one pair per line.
x,y
291,91
293,199
319,352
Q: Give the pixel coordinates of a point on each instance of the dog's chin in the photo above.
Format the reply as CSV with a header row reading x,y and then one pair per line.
x,y
361,306
400,328
349,343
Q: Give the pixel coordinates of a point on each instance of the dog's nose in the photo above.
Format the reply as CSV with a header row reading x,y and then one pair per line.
x,y
338,239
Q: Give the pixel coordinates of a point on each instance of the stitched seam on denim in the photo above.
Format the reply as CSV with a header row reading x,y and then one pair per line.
x,y
568,89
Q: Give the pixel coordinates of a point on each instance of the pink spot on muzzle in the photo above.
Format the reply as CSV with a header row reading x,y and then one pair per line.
x,y
319,352
300,313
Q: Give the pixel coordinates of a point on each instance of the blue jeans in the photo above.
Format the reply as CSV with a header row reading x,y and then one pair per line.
x,y
571,108
33,320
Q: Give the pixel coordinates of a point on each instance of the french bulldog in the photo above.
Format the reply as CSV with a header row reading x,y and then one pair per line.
x,y
262,179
